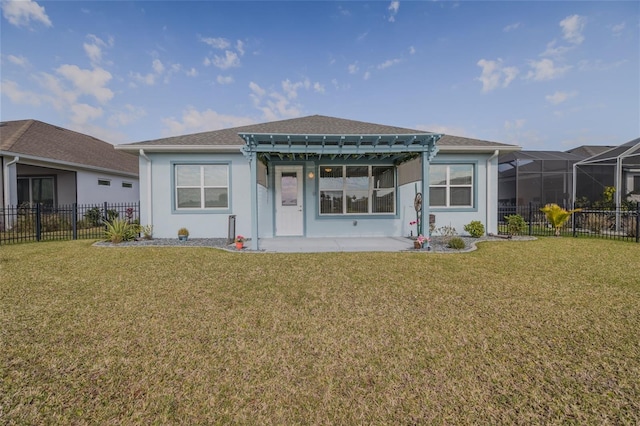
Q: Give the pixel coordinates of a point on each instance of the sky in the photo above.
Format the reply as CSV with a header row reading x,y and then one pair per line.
x,y
542,75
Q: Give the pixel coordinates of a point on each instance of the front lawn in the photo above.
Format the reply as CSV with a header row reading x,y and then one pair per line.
x,y
541,331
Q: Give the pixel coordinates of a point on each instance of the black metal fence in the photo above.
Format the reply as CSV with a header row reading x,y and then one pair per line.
x,y
40,222
597,222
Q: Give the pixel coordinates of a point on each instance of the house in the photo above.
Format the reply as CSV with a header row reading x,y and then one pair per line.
x,y
315,176
42,163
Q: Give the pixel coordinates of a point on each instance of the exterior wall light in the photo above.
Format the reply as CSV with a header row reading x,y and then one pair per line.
x,y
311,175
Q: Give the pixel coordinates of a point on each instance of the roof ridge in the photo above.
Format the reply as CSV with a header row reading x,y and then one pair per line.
x,y
17,135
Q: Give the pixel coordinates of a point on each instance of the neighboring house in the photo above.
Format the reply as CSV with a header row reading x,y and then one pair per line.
x,y
42,163
315,176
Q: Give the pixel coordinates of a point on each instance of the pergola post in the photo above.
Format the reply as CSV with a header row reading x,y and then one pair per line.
x,y
253,165
424,214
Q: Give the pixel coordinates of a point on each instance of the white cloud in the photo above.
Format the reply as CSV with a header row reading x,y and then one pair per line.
x,y
18,60
572,27
82,113
362,36
157,66
393,10
291,89
511,27
317,87
216,42
192,72
148,79
366,75
257,90
556,51
494,75
353,68
12,91
412,50
201,121
229,60
21,13
224,79
88,82
545,69
93,48
240,47
388,63
598,65
559,97
618,29
128,115
275,105
516,133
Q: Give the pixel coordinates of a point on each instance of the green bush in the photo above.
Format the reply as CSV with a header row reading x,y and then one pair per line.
x,y
456,243
94,216
515,224
475,229
119,230
55,222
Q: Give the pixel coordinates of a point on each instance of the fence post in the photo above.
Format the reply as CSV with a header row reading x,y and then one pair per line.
x,y
106,216
38,222
638,222
530,218
573,219
74,211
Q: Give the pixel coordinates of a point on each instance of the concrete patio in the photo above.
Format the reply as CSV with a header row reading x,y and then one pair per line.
x,y
328,244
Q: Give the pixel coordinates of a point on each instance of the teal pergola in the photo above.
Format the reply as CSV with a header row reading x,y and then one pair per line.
x,y
396,147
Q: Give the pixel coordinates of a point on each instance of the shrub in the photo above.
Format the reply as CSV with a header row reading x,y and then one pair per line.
x,y
447,231
456,243
147,231
475,229
515,224
94,216
183,231
54,222
120,230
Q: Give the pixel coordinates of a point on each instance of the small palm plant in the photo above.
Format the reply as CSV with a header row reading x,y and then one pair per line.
x,y
557,216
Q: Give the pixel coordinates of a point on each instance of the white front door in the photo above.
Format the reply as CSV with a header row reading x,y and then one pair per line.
x,y
289,205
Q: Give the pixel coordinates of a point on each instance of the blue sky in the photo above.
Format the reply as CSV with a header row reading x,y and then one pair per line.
x,y
542,75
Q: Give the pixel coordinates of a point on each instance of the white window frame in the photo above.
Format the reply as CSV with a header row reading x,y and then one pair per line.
x,y
447,185
370,190
202,187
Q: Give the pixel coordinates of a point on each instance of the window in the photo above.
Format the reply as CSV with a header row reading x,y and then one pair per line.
x,y
127,185
36,190
202,186
451,185
104,182
357,190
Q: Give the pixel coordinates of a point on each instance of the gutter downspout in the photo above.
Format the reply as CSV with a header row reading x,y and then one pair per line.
x,y
7,184
149,187
494,155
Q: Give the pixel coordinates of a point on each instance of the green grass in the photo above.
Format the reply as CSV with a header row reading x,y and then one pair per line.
x,y
536,332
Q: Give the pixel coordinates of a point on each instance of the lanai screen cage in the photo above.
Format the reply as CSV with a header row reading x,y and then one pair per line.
x,y
618,167
538,177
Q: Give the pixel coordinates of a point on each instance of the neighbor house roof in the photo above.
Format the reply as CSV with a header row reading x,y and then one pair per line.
x,y
41,141
586,151
628,152
310,125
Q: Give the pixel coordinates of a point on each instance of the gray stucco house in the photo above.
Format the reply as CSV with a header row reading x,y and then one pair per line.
x,y
315,176
43,163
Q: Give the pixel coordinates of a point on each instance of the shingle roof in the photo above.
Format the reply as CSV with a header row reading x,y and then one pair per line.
x,y
38,139
586,151
311,125
631,148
